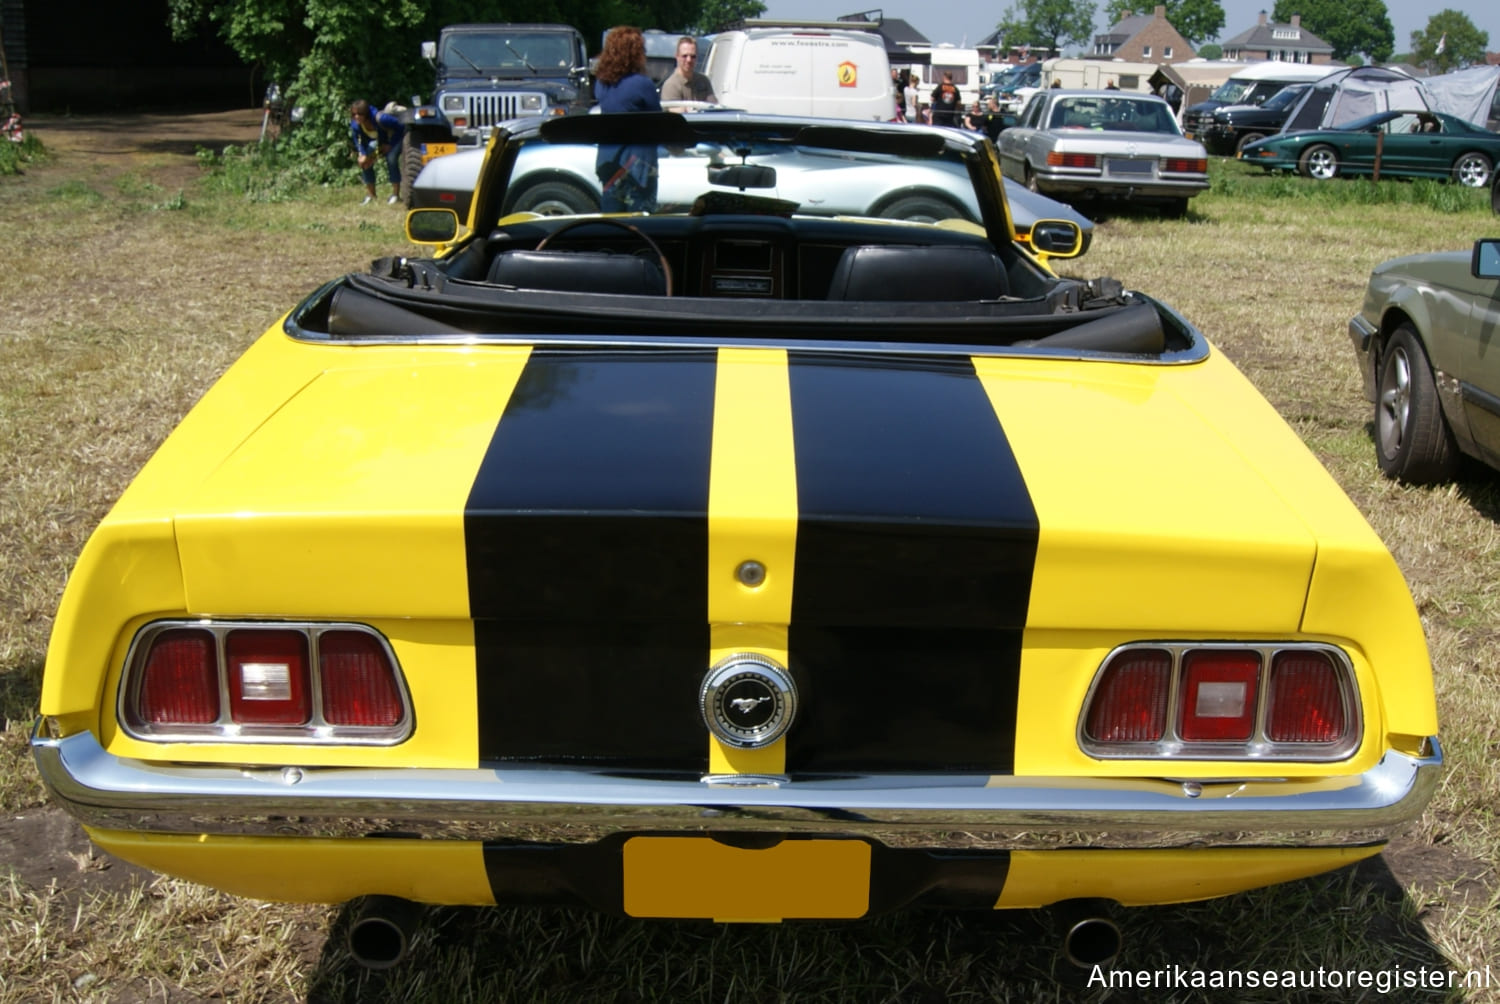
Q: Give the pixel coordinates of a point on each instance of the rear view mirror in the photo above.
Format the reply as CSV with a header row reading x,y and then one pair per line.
x,y
1058,238
431,226
743,176
1486,261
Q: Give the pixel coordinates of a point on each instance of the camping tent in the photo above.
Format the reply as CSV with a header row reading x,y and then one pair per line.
x,y
1346,95
1470,94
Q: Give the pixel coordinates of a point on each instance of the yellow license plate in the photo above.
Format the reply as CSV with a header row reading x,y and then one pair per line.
x,y
698,877
438,150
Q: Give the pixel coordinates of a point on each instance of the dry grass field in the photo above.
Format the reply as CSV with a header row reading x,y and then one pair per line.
x,y
131,281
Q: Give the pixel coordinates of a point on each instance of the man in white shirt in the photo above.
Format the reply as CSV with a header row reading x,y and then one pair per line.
x,y
685,84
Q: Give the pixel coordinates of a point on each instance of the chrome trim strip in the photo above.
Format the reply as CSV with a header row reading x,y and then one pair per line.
x,y
573,805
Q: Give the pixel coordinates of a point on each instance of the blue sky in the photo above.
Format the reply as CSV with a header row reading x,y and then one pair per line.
x,y
961,22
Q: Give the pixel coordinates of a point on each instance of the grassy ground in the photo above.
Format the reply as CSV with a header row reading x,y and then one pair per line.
x,y
133,284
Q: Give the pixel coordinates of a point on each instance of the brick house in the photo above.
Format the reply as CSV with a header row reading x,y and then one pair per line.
x,y
1287,43
1143,38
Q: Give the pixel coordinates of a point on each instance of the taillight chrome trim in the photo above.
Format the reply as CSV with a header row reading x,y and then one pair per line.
x,y
317,731
1259,746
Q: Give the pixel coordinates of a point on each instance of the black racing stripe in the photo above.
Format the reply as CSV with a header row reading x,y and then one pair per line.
x,y
592,500
913,510
606,694
903,699
916,543
586,534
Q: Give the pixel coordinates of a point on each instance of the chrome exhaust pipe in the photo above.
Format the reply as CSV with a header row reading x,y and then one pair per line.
x,y
1089,938
381,933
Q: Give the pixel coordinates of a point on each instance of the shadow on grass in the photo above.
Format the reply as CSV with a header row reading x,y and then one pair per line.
x,y
1354,920
1477,482
21,689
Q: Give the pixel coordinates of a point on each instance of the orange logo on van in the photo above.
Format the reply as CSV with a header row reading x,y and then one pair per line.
x,y
848,75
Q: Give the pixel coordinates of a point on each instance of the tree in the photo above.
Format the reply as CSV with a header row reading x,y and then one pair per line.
x,y
717,15
1048,24
1350,26
1195,20
1463,44
327,53
1210,51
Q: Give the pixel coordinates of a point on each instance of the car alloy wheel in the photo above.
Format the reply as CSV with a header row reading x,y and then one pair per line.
x,y
1472,170
1320,162
1412,440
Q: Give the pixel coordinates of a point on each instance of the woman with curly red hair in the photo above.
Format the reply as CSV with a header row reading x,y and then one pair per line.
x,y
628,173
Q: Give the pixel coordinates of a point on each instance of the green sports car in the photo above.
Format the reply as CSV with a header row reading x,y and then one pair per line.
x,y
1396,144
1423,338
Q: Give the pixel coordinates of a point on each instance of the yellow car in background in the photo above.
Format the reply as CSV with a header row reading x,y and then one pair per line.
x,y
735,562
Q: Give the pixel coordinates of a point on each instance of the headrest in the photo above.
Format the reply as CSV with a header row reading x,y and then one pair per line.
x,y
911,272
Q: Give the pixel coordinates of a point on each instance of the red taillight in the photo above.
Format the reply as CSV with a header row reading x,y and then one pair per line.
x,y
180,681
359,682
268,682
1183,165
1130,705
1219,695
1056,159
1306,702
282,682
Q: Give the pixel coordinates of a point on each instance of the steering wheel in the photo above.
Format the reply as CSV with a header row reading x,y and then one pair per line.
x,y
666,267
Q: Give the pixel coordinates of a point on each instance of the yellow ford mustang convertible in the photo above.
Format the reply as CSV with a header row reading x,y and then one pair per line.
x,y
731,558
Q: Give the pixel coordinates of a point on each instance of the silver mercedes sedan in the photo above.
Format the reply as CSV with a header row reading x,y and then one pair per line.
x,y
1086,146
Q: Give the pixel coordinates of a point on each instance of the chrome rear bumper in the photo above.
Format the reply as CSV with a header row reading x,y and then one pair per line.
x,y
582,805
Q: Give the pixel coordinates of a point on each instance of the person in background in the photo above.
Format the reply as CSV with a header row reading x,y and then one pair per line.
x,y
376,135
992,120
627,173
946,105
685,83
913,95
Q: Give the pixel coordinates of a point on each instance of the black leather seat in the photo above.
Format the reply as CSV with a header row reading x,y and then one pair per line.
x,y
909,272
579,272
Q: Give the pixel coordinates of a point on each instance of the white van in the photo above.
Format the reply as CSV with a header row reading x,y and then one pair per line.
x,y
827,73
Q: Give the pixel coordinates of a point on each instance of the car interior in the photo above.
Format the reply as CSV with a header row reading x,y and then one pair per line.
x,y
757,279
741,266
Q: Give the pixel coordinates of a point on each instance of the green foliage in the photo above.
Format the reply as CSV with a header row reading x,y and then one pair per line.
x,y
269,172
1350,26
1463,44
1048,24
14,156
1195,20
716,15
1211,51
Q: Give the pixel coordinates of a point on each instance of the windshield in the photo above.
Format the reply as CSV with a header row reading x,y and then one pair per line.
x,y
511,53
1113,114
1283,98
755,174
1231,91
